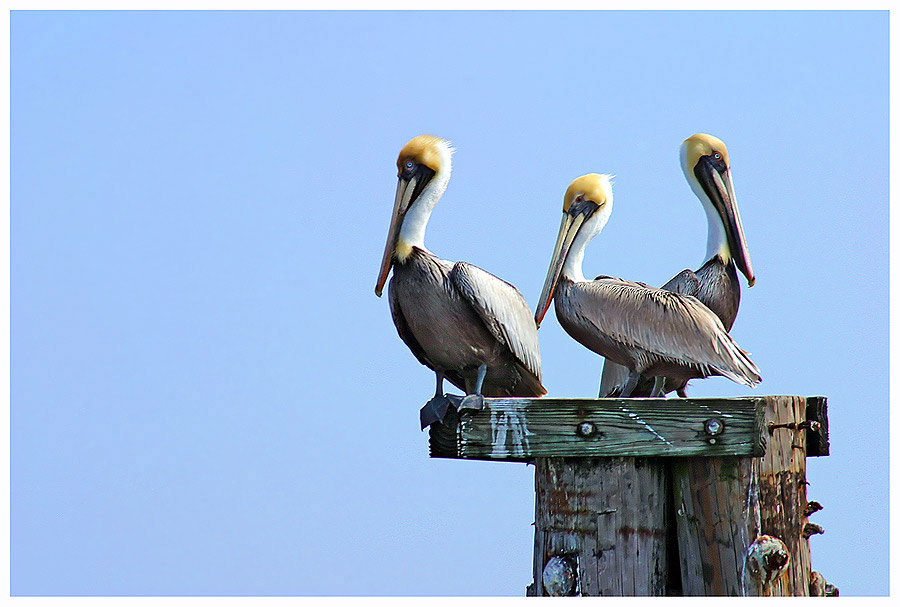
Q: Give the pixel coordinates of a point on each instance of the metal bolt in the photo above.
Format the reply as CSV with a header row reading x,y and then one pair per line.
x,y
714,427
586,429
712,441
773,426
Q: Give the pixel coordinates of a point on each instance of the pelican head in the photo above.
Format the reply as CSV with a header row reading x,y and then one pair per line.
x,y
704,160
423,170
586,209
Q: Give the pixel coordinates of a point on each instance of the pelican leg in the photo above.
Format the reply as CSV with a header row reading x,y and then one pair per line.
x,y
682,393
659,387
435,409
633,378
475,401
610,392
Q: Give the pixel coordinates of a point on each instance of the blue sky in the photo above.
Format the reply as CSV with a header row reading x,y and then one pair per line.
x,y
206,395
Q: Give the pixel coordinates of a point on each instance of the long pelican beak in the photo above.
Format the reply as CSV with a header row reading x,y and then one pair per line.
x,y
720,190
568,229
402,200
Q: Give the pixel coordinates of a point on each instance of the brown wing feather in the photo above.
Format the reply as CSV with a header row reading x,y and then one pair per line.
x,y
614,376
504,312
661,323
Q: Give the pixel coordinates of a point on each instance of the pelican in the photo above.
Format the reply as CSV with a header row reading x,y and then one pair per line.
x,y
649,331
704,160
460,321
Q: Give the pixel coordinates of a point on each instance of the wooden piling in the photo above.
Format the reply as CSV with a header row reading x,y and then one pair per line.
x,y
647,497
715,519
724,504
605,516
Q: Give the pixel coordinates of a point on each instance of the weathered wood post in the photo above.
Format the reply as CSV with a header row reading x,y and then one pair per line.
x,y
601,522
741,520
659,496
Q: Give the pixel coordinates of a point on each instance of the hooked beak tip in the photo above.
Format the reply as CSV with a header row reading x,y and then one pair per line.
x,y
751,281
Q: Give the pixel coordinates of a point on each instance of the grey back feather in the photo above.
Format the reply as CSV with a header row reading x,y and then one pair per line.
x,y
662,323
504,311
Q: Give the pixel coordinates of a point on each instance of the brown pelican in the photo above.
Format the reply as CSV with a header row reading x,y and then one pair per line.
x,y
650,331
462,322
704,160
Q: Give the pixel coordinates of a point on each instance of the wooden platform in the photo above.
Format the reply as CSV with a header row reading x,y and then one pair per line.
x,y
523,429
655,497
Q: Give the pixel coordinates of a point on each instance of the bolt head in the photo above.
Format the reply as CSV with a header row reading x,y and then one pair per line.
x,y
586,429
714,427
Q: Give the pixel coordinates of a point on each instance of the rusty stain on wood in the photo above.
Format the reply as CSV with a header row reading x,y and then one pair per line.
x,y
782,494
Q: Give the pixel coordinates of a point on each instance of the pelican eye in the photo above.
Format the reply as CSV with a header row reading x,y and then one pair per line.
x,y
717,156
579,198
408,169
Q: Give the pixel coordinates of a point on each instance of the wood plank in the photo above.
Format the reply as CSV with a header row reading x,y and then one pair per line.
x,y
514,429
782,492
715,523
600,523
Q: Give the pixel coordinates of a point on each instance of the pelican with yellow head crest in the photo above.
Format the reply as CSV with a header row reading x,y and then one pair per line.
x,y
704,160
649,331
460,321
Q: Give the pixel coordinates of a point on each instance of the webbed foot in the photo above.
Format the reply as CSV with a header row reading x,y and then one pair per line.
x,y
435,409
472,401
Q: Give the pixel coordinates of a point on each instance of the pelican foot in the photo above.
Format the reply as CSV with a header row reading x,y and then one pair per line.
x,y
472,401
435,409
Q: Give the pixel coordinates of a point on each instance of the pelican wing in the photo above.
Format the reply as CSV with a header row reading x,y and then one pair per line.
x,y
503,310
614,375
660,322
